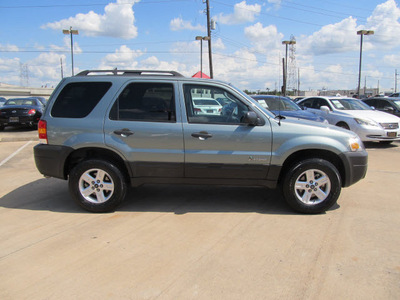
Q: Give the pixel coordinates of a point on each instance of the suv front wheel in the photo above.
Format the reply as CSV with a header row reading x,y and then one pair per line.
x,y
312,186
97,185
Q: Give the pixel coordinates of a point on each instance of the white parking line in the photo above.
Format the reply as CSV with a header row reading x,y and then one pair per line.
x,y
15,153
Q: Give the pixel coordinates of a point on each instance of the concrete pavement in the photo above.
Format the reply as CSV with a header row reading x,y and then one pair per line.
x,y
11,134
197,242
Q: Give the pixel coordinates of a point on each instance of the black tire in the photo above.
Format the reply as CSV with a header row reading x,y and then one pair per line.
x,y
343,125
312,186
97,185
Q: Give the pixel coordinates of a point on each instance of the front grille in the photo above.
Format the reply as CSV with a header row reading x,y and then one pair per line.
x,y
390,125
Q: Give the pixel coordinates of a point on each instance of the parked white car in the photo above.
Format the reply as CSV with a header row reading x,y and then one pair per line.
x,y
206,106
355,115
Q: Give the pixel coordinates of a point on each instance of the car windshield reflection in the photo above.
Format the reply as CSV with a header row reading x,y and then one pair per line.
x,y
349,104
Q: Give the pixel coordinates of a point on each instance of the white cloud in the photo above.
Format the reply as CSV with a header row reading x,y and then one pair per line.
x,y
277,3
156,64
179,24
123,58
8,65
391,60
117,21
384,21
47,66
217,44
263,38
242,13
332,38
9,48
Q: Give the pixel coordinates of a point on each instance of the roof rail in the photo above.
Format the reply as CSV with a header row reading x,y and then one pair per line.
x,y
130,73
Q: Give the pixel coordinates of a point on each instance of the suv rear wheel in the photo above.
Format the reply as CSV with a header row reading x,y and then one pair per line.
x,y
97,185
312,186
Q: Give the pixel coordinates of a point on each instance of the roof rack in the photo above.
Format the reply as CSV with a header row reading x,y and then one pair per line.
x,y
130,73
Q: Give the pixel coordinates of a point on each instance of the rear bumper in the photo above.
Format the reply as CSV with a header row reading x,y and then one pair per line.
x,y
22,120
50,160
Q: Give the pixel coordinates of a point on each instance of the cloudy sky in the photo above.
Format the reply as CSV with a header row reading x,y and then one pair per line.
x,y
246,43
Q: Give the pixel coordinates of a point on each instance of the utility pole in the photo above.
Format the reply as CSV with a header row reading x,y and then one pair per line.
x,y
395,80
365,85
209,38
62,72
378,87
298,82
283,91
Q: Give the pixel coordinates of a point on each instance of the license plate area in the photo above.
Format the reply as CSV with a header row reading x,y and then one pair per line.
x,y
392,134
13,120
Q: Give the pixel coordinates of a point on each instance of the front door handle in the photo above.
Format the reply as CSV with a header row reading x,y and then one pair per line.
x,y
125,132
202,135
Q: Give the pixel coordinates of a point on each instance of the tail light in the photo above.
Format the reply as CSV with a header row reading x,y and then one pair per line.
x,y
42,130
197,110
31,112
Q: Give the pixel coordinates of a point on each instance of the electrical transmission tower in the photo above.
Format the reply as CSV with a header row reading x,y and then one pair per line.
x,y
23,74
292,69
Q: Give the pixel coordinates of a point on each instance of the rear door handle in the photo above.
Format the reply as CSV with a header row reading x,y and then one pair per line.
x,y
125,132
202,135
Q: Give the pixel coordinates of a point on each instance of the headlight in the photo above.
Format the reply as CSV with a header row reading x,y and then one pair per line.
x,y
366,122
355,144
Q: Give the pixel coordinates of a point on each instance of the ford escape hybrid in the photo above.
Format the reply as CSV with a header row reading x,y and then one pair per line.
x,y
107,130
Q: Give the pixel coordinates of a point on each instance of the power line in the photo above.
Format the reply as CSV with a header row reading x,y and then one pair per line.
x,y
84,4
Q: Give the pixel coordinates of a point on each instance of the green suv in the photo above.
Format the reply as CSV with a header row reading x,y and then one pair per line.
x,y
107,130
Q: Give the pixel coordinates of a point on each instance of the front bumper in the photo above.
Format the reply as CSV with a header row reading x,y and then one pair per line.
x,y
356,165
378,135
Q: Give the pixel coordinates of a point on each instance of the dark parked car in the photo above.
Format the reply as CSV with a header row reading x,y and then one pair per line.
x,y
389,104
395,95
21,112
285,107
41,99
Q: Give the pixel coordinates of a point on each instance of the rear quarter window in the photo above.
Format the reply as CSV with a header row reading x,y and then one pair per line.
x,y
78,99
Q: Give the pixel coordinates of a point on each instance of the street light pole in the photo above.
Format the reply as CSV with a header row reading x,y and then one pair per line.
x,y
361,33
286,43
71,32
201,39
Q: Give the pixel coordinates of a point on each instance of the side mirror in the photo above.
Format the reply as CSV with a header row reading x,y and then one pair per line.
x,y
250,118
325,109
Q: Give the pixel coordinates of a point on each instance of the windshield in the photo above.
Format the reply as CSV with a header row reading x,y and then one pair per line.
x,y
397,103
349,104
254,102
278,103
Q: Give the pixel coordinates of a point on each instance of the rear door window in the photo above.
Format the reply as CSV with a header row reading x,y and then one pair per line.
x,y
146,102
